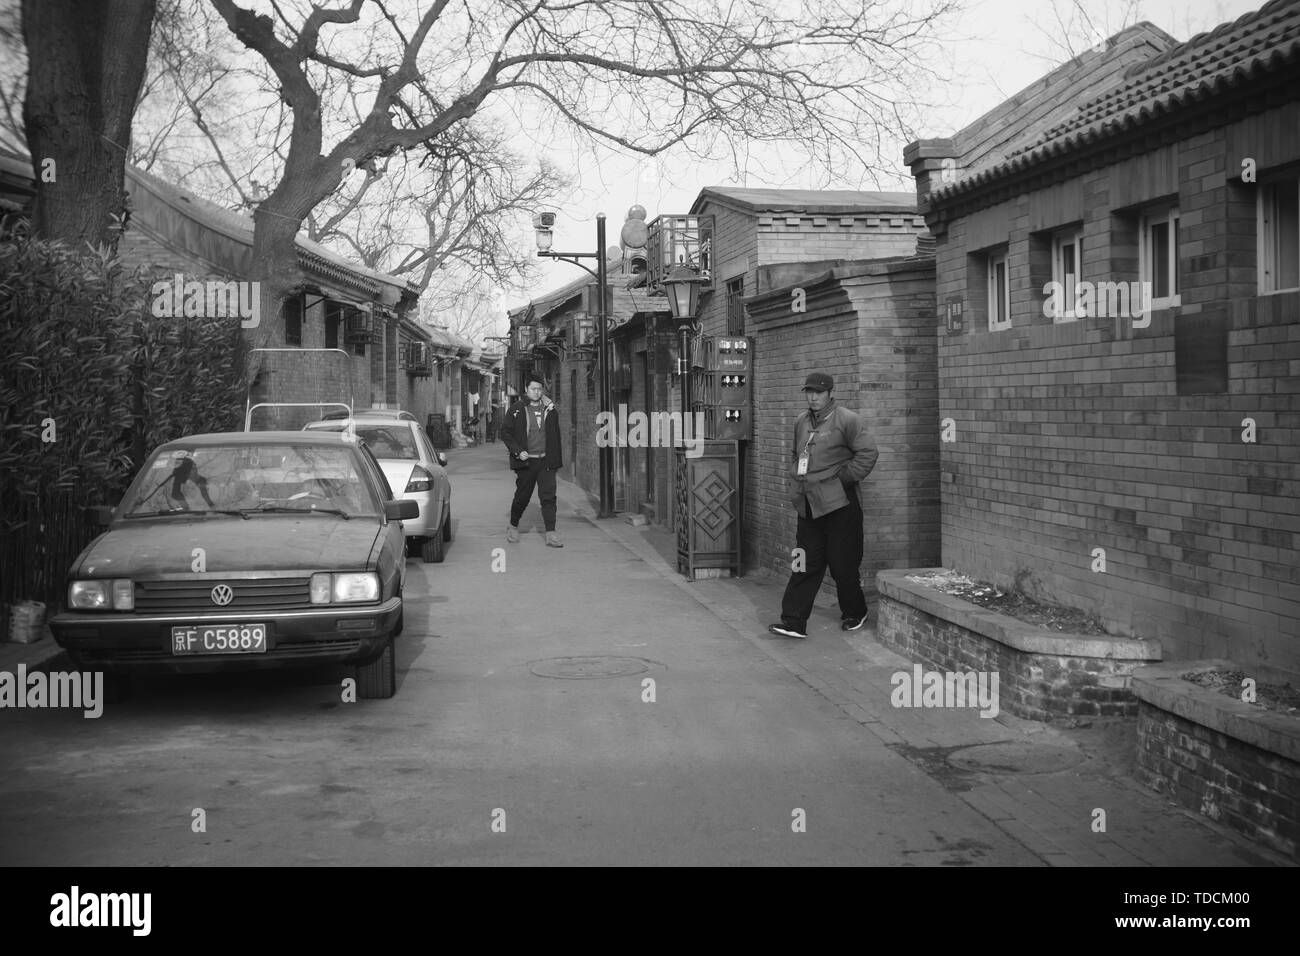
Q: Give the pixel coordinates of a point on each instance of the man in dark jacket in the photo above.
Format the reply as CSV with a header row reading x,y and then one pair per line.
x,y
832,452
531,432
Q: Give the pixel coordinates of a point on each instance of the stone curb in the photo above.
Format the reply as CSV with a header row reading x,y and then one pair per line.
x,y
1007,630
1162,686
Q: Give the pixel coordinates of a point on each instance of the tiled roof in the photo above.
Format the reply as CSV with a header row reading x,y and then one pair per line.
x,y
829,202
1022,119
239,227
546,303
1234,55
445,340
236,227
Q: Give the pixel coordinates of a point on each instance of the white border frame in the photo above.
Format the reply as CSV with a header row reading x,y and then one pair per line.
x,y
994,259
1168,214
1067,237
1264,233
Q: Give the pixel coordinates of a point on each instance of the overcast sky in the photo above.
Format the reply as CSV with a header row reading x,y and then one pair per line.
x,y
994,50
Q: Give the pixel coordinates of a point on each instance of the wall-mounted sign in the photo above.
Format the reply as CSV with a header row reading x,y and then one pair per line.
x,y
954,316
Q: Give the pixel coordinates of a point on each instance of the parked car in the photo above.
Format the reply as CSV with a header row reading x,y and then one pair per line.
x,y
414,469
244,550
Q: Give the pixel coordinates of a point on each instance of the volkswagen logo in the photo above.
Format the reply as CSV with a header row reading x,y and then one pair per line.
x,y
222,595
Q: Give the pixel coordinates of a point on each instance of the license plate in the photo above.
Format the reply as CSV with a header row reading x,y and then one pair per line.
x,y
219,639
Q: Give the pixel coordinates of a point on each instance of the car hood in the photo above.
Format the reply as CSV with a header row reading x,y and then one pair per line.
x,y
147,547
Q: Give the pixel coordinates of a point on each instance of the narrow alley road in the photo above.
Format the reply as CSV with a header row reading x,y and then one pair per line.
x,y
523,732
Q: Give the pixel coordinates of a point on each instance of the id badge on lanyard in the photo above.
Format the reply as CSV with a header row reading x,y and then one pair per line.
x,y
802,467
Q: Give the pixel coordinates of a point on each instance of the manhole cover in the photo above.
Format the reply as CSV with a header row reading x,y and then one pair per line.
x,y
1015,757
579,668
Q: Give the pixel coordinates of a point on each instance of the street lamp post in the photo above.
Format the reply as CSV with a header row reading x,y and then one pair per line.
x,y
543,224
682,286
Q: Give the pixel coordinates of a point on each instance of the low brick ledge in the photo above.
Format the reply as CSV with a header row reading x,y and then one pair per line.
x,y
1005,629
1163,686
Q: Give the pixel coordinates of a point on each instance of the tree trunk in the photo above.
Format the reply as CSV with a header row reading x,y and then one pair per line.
x,y
86,62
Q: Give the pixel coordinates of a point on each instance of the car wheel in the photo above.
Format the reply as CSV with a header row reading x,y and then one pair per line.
x,y
378,679
401,622
432,550
412,547
446,525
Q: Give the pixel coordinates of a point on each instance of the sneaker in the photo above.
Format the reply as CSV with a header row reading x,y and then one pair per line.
x,y
553,540
852,624
785,630
512,534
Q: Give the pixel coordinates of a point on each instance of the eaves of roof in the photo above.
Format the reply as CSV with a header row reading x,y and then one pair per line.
x,y
1256,48
819,202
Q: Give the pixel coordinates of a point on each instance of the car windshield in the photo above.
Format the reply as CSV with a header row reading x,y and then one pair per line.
x,y
247,479
394,441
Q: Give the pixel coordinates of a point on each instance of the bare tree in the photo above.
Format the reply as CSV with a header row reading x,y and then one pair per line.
x,y
644,75
450,216
85,65
13,74
1070,28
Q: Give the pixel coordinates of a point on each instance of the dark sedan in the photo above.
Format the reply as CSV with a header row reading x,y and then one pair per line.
x,y
245,550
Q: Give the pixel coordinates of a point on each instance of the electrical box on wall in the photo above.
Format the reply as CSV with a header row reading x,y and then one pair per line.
x,y
722,386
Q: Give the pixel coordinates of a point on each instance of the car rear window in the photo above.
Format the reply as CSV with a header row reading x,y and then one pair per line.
x,y
395,441
250,478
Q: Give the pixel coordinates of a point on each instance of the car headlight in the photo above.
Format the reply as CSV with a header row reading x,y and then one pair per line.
x,y
350,588
117,594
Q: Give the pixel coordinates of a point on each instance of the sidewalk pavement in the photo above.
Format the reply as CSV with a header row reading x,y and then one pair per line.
x,y
1042,784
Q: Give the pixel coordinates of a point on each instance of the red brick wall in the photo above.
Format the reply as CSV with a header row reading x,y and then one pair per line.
x,y
1073,436
1246,788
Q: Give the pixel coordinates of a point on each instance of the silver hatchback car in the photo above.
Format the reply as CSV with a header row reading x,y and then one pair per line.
x,y
414,471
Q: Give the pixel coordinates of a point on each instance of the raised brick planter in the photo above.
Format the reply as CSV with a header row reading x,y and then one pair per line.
x,y
1042,674
1234,762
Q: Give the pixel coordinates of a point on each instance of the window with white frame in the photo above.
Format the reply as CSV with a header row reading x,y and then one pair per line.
x,y
1067,258
999,293
1158,248
1279,236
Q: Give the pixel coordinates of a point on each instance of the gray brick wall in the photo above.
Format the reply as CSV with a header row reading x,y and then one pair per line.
x,y
1073,436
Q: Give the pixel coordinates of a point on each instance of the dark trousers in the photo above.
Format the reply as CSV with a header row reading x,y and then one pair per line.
x,y
534,475
834,540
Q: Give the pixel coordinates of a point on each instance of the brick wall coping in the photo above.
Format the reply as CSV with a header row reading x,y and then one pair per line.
x,y
1162,686
896,265
1018,635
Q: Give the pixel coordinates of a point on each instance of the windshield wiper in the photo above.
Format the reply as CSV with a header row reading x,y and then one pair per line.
x,y
188,511
284,509
160,512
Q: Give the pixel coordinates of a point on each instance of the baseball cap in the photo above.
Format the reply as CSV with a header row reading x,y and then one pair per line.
x,y
818,382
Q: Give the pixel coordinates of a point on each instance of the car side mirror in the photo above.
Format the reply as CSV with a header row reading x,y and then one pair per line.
x,y
100,515
442,459
401,510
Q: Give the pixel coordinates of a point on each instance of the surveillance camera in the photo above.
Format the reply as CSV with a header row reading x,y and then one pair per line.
x,y
544,220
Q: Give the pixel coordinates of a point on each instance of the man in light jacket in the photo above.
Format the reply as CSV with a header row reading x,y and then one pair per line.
x,y
832,452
